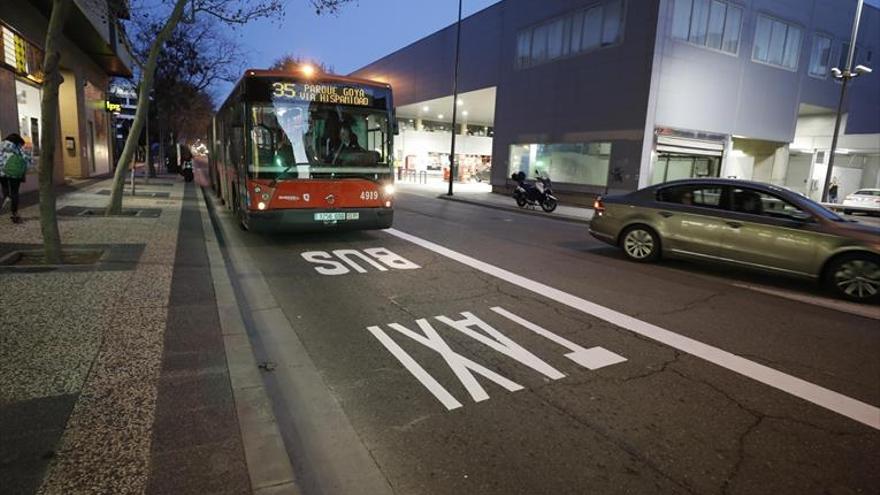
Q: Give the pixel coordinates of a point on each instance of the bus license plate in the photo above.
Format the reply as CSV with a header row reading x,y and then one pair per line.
x,y
336,216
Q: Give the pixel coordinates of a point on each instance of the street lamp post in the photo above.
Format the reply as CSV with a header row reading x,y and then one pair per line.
x,y
844,76
454,99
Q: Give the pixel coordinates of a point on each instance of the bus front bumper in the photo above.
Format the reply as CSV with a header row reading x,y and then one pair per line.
x,y
308,220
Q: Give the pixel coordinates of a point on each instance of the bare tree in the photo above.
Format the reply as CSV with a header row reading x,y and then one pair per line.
x,y
233,12
196,57
290,62
49,115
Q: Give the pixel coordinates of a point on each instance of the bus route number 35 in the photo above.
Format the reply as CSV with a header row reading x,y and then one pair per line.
x,y
369,195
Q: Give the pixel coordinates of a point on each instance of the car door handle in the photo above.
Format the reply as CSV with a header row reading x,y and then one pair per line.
x,y
734,225
665,214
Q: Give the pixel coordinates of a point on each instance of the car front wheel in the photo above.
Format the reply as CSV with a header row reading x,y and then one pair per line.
x,y
640,243
855,277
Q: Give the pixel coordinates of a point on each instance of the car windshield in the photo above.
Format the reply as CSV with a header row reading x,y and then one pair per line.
x,y
307,136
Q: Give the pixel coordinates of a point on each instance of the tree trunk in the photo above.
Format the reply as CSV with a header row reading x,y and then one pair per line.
x,y
161,143
114,207
49,116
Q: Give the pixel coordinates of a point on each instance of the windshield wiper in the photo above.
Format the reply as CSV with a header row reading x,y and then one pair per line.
x,y
283,173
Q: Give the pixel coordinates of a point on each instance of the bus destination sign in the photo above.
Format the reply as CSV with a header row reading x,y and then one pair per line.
x,y
322,93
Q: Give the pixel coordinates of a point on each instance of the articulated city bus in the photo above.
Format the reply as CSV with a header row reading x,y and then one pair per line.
x,y
300,151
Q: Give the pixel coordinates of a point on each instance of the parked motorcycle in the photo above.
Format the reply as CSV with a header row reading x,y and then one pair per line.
x,y
533,194
187,170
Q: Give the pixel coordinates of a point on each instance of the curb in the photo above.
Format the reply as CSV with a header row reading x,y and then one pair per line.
x,y
269,467
523,211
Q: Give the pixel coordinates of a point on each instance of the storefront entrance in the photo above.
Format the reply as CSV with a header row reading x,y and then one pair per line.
x,y
673,166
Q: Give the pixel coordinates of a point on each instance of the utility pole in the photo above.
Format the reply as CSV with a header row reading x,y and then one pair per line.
x,y
454,99
844,76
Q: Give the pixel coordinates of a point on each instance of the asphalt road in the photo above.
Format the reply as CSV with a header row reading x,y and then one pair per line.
x,y
473,350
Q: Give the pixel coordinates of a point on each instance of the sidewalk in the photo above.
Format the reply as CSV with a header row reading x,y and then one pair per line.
x,y
481,194
114,376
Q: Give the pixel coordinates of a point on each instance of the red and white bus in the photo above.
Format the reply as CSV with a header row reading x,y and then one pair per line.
x,y
301,151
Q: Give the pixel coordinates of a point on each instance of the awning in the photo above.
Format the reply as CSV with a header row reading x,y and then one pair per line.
x,y
689,146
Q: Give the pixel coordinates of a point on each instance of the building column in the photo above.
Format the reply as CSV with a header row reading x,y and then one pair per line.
x,y
726,157
8,104
418,123
69,95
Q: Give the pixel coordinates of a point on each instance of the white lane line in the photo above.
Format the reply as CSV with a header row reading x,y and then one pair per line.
x,y
863,310
829,399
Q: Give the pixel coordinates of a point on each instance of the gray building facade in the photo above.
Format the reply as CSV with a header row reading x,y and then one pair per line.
x,y
611,95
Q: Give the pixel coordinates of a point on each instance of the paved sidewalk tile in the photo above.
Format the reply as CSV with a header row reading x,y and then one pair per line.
x,y
196,445
114,377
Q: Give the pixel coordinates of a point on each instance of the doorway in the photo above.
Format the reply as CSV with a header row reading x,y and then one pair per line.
x,y
674,166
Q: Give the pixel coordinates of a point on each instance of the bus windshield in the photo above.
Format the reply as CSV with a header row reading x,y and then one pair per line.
x,y
298,139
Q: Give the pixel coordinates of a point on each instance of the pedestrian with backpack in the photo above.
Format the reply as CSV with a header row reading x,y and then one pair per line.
x,y
13,168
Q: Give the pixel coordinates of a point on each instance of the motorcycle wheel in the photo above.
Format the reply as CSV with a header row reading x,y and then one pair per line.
x,y
548,205
520,201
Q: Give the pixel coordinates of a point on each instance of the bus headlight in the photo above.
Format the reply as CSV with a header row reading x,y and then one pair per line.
x,y
389,189
261,205
265,196
257,189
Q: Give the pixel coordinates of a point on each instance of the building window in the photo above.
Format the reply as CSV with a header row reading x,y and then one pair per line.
x,y
21,56
580,31
820,55
571,163
710,23
777,43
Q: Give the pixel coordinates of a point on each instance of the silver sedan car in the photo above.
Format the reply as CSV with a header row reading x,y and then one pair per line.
x,y
750,224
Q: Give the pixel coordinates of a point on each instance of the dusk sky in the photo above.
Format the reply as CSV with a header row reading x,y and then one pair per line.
x,y
361,33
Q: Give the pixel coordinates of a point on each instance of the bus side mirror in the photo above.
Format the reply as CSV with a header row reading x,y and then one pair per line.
x,y
395,126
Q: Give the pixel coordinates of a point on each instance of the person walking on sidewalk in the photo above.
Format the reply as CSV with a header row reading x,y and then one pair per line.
x,y
13,167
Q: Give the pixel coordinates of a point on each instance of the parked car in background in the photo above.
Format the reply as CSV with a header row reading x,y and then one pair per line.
x,y
749,224
866,200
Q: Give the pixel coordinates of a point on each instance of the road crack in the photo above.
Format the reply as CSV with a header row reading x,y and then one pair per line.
x,y
686,307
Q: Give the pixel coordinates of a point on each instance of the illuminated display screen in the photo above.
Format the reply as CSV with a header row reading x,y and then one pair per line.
x,y
322,93
273,89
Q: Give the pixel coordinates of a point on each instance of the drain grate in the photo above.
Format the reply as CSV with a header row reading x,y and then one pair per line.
x,y
142,194
84,211
37,257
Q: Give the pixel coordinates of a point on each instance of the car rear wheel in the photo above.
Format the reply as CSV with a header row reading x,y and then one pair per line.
x,y
855,277
640,243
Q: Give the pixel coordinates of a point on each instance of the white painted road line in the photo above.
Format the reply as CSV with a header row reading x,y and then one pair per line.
x,y
829,399
863,310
